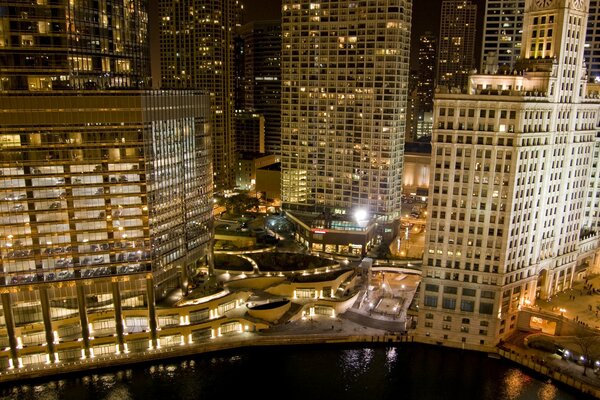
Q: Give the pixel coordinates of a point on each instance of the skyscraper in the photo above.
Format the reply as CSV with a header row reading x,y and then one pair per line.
x,y
197,52
262,77
592,47
456,43
344,83
57,45
502,30
426,71
510,166
425,85
105,195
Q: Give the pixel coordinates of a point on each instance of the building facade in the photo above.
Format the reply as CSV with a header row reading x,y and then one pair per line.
x,y
197,52
344,84
249,132
592,47
56,46
105,195
510,169
261,77
456,43
502,30
426,72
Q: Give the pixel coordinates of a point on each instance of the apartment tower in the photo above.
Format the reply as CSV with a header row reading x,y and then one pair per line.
x,y
197,46
456,43
261,77
344,88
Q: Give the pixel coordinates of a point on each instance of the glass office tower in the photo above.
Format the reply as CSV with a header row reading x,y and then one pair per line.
x,y
105,187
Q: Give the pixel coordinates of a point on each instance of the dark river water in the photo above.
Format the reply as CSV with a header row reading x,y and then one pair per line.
x,y
310,372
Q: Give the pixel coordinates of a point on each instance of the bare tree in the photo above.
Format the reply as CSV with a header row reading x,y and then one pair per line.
x,y
588,345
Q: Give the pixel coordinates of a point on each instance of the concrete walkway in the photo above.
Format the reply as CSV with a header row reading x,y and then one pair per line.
x,y
578,303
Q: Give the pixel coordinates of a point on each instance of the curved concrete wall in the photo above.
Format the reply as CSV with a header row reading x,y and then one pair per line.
x,y
272,314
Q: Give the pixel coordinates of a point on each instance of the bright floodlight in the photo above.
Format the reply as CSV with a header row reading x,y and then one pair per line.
x,y
361,214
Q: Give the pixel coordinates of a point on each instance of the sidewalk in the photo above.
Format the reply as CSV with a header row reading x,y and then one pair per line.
x,y
579,303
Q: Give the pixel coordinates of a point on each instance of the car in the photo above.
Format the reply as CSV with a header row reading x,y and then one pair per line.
x,y
18,207
87,273
54,206
64,275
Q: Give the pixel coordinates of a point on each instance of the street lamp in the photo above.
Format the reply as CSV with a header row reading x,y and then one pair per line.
x,y
361,215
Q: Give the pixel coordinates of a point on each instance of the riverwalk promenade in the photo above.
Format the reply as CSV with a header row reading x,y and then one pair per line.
x,y
318,330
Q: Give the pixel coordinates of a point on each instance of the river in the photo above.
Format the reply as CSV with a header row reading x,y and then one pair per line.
x,y
306,372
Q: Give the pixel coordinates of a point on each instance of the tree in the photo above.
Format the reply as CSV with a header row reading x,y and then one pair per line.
x,y
588,345
383,250
240,203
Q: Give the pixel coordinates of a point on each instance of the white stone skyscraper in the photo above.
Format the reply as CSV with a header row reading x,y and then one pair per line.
x,y
510,173
344,86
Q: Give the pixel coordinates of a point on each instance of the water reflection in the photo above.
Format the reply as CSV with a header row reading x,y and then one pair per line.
x,y
513,383
378,373
548,392
354,363
390,357
119,392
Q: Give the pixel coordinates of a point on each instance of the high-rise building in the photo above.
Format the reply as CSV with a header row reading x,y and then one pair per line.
x,y
502,30
105,195
412,108
261,77
426,72
55,45
592,47
421,88
250,132
344,84
456,43
197,46
511,164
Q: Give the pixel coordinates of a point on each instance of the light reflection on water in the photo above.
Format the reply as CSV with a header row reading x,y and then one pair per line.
x,y
514,382
390,357
402,372
356,361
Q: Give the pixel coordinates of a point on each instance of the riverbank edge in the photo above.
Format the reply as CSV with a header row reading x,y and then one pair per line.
x,y
65,368
558,376
83,366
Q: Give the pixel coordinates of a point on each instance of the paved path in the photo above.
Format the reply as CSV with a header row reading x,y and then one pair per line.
x,y
577,302
365,320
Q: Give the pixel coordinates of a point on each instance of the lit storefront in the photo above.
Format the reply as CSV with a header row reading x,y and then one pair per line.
x,y
335,235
